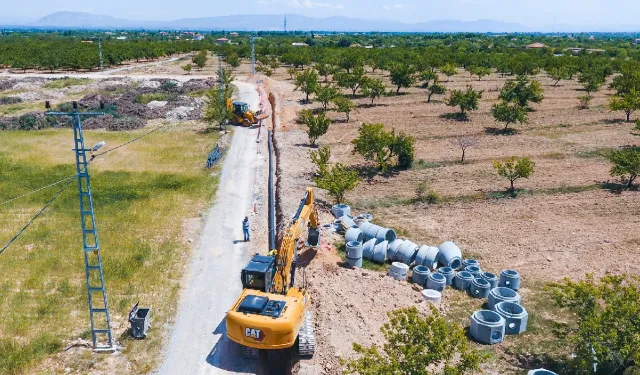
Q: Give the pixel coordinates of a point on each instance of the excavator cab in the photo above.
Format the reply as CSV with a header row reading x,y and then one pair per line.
x,y
240,108
259,272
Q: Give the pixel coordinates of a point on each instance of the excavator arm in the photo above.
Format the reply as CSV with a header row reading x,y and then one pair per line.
x,y
307,215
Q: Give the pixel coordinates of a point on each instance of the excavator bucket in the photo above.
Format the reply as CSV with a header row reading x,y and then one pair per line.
x,y
313,240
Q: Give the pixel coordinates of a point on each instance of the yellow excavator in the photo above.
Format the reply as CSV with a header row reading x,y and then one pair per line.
x,y
272,314
242,115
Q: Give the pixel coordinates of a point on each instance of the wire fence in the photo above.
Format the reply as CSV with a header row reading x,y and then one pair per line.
x,y
215,156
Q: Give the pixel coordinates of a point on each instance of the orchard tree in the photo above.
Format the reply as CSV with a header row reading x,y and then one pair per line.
x,y
466,100
626,164
605,334
403,146
352,80
344,105
508,113
557,73
337,181
325,70
380,146
292,72
521,92
628,103
321,159
326,94
480,71
402,75
316,125
426,77
373,88
233,60
200,59
448,70
514,169
187,68
464,142
592,80
216,111
435,89
417,344
307,82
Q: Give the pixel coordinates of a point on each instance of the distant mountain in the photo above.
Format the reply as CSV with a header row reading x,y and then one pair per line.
x,y
76,20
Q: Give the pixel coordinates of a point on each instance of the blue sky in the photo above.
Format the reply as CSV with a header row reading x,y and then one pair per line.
x,y
527,12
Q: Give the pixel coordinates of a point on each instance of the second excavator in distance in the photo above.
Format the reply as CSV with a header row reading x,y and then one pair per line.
x,y
272,314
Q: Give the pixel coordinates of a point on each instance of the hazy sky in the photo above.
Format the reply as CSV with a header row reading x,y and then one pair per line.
x,y
527,12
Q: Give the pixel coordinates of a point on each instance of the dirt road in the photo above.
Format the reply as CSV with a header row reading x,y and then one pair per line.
x,y
198,343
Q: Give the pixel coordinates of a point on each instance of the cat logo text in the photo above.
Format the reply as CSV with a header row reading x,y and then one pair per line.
x,y
253,333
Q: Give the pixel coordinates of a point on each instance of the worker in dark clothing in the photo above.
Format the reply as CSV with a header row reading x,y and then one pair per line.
x,y
245,228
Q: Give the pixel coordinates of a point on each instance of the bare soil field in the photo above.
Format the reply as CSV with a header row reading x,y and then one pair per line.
x,y
565,224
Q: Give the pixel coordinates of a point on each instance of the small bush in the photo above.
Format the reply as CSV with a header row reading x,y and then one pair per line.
x,y
10,100
65,82
16,358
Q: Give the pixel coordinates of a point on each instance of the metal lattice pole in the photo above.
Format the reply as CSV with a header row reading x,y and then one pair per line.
x,y
253,56
96,290
100,52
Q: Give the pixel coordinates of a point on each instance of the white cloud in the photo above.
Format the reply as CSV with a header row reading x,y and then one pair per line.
x,y
314,4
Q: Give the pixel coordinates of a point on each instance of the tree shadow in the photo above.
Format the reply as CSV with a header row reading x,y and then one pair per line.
x,y
457,116
617,188
614,121
538,360
369,105
499,131
307,145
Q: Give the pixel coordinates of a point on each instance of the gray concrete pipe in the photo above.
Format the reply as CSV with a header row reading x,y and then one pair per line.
x,y
420,275
386,234
450,255
491,278
448,273
500,294
462,281
515,316
474,270
509,279
479,288
487,327
428,256
369,230
340,210
380,252
347,222
393,249
470,262
541,371
353,234
406,252
354,249
367,249
398,271
353,263
436,281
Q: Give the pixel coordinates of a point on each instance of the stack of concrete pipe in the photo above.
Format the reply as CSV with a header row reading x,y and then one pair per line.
x,y
354,254
375,238
340,210
398,271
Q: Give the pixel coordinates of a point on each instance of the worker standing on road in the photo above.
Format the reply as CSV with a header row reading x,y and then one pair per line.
x,y
245,228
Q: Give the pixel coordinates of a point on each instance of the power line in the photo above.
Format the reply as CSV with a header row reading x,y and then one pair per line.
x,y
133,140
37,190
41,211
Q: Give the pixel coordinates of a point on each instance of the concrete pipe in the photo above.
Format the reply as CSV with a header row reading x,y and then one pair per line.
x,y
337,225
450,255
367,249
353,263
474,270
369,230
353,234
479,288
359,220
470,262
398,271
487,327
340,210
431,295
392,250
347,222
406,252
428,256
501,294
420,275
380,252
354,249
436,281
509,279
491,278
386,234
448,273
515,316
462,280
367,216
541,371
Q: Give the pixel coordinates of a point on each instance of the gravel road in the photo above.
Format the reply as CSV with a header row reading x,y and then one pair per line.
x,y
198,344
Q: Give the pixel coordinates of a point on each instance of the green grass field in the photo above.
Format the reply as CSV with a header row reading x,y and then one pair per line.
x,y
144,196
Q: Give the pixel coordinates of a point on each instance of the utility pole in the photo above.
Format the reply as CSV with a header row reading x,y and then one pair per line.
x,y
221,87
100,51
285,23
253,56
97,293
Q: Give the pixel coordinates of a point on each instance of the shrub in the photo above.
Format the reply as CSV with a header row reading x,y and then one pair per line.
x,y
514,169
338,181
626,164
10,100
321,159
316,125
466,100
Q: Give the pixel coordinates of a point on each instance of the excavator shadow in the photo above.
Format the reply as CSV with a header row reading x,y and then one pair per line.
x,y
229,356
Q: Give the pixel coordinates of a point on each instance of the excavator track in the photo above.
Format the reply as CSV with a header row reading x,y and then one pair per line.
x,y
307,337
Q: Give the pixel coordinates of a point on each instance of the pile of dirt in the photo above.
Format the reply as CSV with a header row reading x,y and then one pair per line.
x,y
111,123
33,121
7,84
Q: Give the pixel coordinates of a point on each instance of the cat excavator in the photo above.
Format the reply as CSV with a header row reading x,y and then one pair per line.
x,y
272,315
242,115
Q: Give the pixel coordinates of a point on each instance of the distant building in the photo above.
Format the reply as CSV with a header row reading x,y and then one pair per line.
x,y
198,37
121,38
233,34
356,45
535,45
592,37
222,41
368,47
299,45
637,41
577,50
